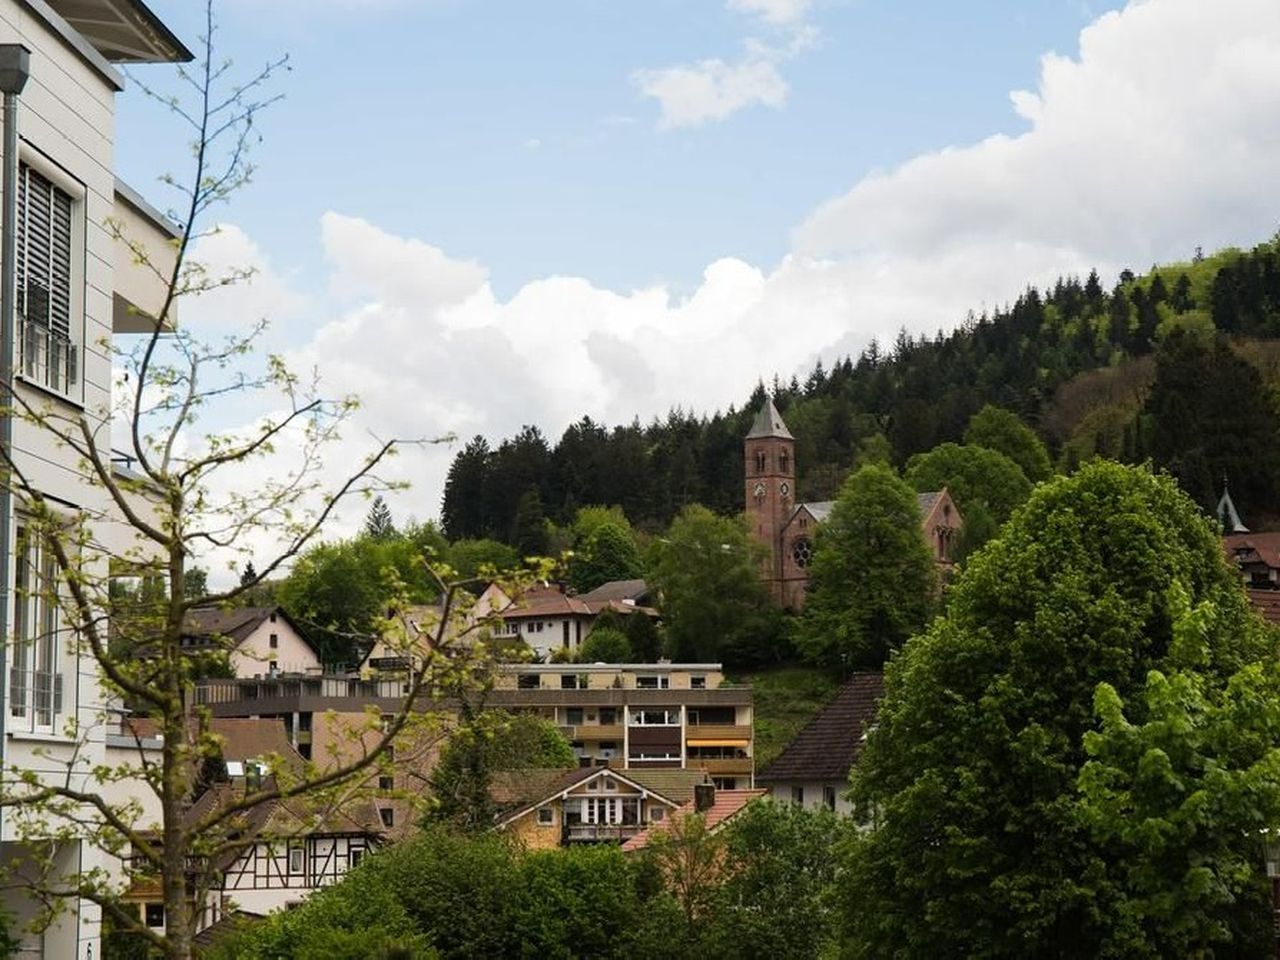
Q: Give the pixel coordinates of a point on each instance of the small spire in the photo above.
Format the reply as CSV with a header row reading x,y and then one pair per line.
x,y
768,423
1226,512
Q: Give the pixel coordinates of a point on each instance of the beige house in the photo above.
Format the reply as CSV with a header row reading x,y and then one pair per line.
x,y
260,641
77,286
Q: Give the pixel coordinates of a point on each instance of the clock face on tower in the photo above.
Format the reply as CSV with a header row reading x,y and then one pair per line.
x,y
784,488
759,490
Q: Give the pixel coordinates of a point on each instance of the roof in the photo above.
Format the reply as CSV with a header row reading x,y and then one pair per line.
x,y
229,922
1267,604
243,738
206,623
820,509
549,601
518,791
927,500
635,590
123,31
829,745
1245,548
728,804
1226,512
768,423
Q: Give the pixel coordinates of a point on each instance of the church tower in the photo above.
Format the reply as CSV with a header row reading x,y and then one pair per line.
x,y
769,454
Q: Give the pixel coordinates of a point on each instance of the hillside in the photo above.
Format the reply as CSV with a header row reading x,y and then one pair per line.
x,y
1077,362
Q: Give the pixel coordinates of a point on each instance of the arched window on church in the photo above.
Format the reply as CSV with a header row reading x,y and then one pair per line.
x,y
760,461
783,461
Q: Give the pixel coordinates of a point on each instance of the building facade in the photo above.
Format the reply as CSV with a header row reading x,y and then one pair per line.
x,y
78,285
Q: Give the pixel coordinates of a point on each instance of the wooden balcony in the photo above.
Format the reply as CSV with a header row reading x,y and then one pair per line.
x,y
740,767
600,832
715,731
595,731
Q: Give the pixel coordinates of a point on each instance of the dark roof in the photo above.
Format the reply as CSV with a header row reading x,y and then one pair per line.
x,y
926,501
1266,603
768,423
636,590
1253,548
228,923
207,623
830,743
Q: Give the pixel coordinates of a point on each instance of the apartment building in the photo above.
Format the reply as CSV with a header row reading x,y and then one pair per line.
x,y
629,716
77,286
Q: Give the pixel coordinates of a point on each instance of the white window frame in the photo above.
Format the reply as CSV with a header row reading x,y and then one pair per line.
x,y
299,868
28,364
35,678
546,816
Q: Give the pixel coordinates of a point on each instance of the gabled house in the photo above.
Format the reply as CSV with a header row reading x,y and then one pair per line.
x,y
261,641
550,808
813,769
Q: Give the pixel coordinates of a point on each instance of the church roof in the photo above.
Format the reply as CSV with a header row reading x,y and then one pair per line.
x,y
820,509
927,500
768,423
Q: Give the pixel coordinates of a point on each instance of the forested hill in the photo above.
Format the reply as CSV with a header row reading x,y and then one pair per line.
x,y
1178,365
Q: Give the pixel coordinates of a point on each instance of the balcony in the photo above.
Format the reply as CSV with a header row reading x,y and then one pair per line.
x,y
593,731
717,731
740,765
600,832
49,358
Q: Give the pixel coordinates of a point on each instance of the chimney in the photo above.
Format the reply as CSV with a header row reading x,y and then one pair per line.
x,y
704,797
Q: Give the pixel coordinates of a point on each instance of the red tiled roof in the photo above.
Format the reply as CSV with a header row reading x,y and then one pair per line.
x,y
1253,547
548,601
829,745
728,804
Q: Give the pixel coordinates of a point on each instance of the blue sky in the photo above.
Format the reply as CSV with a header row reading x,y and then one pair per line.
x,y
512,132
483,215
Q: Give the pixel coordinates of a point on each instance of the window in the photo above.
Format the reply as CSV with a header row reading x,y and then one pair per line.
x,y
797,795
697,683
386,782
388,816
274,641
45,231
802,552
354,856
610,783
759,461
657,814
655,717
546,816
155,915
725,783
829,797
34,683
273,618
608,716
297,860
527,681
653,682
574,716
783,461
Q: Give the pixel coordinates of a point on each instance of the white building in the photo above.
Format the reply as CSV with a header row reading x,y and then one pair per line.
x,y
77,286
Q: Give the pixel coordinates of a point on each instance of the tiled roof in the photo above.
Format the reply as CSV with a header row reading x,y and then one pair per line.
x,y
728,804
768,423
206,623
244,738
635,590
829,745
675,785
1261,548
1267,603
547,602
926,501
515,789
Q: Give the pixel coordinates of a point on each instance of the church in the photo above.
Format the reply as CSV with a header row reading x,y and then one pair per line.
x,y
787,527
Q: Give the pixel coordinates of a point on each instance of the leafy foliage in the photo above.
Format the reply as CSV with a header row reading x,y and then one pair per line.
x,y
872,577
1002,431
604,645
986,485
979,848
607,553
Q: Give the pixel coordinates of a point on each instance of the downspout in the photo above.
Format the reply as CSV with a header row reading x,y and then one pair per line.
x,y
15,65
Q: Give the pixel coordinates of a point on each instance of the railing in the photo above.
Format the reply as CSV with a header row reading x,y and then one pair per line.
x,y
235,691
717,731
49,358
588,832
593,731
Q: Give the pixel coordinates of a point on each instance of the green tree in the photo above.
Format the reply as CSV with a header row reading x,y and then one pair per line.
x,y
872,578
972,769
529,528
481,558
645,637
486,741
609,553
605,646
1181,797
707,573
986,485
377,523
776,897
1000,430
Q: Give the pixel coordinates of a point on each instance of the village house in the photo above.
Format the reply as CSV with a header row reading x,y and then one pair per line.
x,y
813,770
259,640
787,527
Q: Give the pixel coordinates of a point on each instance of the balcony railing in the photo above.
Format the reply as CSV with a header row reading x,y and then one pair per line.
x,y
49,358
600,832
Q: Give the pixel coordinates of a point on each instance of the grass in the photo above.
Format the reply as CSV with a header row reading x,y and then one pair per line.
x,y
784,700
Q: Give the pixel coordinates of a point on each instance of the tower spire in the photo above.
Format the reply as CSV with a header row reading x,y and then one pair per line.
x,y
768,423
1226,511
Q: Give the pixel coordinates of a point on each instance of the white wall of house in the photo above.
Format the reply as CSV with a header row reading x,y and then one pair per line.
x,y
268,878
290,653
814,794
545,635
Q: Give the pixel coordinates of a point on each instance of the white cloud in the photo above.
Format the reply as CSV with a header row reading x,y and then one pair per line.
x,y
777,12
1163,134
709,90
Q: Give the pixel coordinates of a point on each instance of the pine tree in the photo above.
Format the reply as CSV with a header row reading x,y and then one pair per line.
x,y
377,524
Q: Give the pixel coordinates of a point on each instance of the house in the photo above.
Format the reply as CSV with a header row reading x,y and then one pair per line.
x,y
630,594
259,640
1258,557
78,285
787,527
813,770
552,808
291,847
716,807
553,621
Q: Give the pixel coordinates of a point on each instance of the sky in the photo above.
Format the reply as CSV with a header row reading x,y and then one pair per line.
x,y
477,215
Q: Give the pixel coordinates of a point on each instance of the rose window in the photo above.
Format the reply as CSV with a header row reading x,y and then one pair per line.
x,y
802,552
